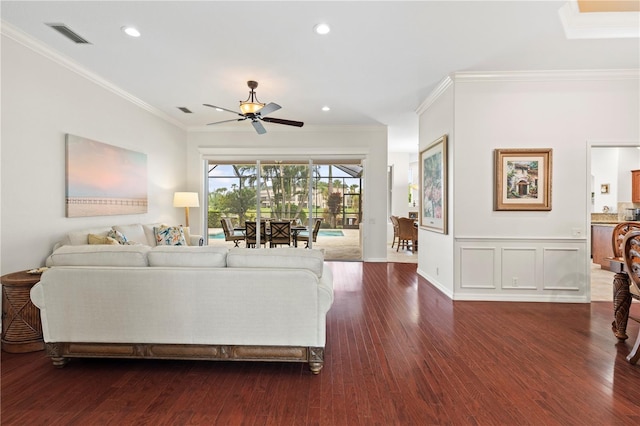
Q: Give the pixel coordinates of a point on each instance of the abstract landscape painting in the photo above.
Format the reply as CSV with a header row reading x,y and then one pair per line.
x,y
103,179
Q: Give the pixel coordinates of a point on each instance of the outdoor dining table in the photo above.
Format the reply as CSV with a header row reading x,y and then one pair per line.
x,y
295,230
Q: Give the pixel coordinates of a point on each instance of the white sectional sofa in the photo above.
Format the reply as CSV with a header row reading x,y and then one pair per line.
x,y
171,302
135,233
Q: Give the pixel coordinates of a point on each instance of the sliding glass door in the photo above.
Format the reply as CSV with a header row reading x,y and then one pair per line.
x,y
299,192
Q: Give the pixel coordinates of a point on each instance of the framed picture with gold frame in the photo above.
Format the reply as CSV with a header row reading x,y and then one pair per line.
x,y
433,186
523,179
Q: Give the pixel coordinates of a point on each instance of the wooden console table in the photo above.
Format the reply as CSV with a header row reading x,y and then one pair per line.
x,y
21,325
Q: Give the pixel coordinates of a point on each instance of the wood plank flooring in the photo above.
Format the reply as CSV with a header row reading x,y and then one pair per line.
x,y
398,353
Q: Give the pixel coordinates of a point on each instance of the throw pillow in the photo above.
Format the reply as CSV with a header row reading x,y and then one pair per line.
x,y
170,236
118,236
101,239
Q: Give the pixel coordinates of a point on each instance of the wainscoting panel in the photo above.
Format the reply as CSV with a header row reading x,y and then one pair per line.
x,y
518,268
478,267
524,269
560,265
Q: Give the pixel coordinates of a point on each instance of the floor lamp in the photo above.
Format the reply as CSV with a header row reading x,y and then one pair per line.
x,y
186,200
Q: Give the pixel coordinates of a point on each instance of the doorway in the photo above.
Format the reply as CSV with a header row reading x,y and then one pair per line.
x,y
609,166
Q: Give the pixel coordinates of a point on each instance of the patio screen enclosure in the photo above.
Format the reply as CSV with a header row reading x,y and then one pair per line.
x,y
280,191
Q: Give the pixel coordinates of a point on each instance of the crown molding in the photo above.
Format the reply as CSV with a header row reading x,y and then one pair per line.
x,y
598,24
547,75
42,49
435,94
234,128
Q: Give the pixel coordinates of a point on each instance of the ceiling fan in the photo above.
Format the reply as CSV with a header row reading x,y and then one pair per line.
x,y
256,111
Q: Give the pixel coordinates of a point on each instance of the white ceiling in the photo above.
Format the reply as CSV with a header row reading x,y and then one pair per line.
x,y
377,65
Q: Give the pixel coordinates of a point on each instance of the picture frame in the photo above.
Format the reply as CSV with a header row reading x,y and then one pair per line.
x,y
103,180
433,186
604,188
523,179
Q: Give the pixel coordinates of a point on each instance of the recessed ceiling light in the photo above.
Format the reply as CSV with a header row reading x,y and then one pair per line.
x,y
131,31
326,108
322,29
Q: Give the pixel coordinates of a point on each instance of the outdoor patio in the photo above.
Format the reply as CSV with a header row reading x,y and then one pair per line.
x,y
338,244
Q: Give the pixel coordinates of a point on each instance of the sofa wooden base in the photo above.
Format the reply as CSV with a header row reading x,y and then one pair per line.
x,y
60,352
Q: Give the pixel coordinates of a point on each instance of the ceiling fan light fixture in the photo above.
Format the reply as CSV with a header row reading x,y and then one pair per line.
x,y
250,107
252,104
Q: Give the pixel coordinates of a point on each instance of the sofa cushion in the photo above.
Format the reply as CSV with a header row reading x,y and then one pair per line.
x,y
194,256
150,234
82,237
288,258
102,239
169,236
133,233
99,255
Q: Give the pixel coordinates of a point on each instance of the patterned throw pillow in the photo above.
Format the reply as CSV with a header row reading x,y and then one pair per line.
x,y
118,236
170,236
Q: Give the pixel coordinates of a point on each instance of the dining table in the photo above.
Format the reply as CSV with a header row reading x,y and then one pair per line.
x,y
295,230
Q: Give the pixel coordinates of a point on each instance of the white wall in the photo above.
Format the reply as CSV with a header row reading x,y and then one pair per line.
x,y
520,255
435,254
300,144
605,170
399,196
628,159
41,102
613,165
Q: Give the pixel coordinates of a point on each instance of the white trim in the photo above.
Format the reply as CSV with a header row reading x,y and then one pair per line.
x,y
519,238
598,25
435,94
47,52
547,75
282,153
245,128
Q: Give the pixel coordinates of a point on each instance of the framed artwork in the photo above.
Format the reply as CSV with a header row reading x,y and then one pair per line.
x,y
604,188
433,186
103,179
523,179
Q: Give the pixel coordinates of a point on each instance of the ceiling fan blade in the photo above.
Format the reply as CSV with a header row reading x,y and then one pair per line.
x,y
268,109
227,121
224,109
259,127
282,121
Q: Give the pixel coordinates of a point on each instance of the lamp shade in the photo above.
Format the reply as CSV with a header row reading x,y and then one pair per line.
x,y
186,199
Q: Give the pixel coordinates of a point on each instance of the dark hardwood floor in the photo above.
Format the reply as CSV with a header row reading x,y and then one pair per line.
x,y
398,353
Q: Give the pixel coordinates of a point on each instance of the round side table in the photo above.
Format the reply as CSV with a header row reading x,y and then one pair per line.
x,y
21,326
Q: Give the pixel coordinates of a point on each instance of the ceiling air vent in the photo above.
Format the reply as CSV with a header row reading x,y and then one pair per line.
x,y
185,110
68,33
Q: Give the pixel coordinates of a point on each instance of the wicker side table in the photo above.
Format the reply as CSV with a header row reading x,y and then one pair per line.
x,y
21,325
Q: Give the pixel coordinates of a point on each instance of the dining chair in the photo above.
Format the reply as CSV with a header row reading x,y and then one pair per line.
x,y
250,236
229,233
396,230
280,233
631,253
407,234
304,236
